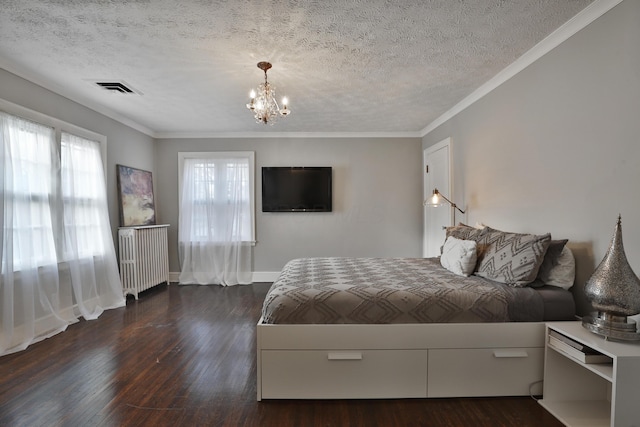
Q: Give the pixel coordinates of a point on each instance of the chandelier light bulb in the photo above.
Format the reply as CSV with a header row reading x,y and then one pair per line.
x,y
252,102
285,110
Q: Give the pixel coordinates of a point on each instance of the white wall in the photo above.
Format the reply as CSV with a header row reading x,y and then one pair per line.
x,y
377,197
124,144
557,147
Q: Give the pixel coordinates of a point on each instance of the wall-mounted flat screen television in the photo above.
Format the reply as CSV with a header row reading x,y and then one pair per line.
x,y
296,189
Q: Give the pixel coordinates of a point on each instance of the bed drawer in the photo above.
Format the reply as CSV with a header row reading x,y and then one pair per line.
x,y
335,374
484,372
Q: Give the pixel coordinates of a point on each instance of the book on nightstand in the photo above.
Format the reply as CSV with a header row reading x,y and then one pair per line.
x,y
576,350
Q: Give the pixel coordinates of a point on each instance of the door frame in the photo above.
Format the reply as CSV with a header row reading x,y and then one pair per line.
x,y
447,142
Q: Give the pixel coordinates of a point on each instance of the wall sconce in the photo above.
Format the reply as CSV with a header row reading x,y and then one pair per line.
x,y
614,291
436,200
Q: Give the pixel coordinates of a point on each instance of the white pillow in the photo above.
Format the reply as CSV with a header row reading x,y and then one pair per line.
x,y
563,274
459,256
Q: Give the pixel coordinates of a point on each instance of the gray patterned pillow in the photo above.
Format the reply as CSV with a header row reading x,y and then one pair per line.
x,y
464,232
511,258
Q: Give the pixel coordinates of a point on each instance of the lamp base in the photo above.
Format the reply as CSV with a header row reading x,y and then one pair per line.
x,y
611,327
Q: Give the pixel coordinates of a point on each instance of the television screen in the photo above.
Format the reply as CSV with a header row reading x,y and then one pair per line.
x,y
296,189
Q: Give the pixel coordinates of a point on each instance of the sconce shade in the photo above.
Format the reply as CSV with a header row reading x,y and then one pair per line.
x,y
437,199
614,291
434,200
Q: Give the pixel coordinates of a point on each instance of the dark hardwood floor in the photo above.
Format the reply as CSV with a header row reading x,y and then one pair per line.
x,y
185,356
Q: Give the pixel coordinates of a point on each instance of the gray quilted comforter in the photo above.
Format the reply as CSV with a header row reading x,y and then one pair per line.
x,y
391,290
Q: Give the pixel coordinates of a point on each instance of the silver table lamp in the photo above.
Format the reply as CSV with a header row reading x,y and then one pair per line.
x,y
614,291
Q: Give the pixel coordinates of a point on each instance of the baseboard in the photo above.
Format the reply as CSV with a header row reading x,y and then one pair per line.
x,y
258,276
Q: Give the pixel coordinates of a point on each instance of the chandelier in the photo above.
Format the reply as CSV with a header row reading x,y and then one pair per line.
x,y
263,104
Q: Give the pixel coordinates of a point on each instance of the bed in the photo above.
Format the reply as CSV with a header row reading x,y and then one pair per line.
x,y
356,328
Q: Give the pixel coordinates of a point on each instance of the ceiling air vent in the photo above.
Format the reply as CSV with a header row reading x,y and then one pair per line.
x,y
116,87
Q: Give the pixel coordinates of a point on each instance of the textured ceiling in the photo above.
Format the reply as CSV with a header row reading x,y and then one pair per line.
x,y
346,65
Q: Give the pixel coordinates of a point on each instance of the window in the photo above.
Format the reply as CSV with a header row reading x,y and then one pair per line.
x,y
217,194
54,198
28,160
83,197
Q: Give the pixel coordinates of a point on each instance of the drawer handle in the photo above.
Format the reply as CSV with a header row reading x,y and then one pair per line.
x,y
509,353
344,356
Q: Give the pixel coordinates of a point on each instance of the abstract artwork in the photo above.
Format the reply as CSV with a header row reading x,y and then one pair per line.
x,y
135,188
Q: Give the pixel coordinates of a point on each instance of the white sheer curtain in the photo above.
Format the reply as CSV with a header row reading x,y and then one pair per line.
x,y
47,274
88,246
216,220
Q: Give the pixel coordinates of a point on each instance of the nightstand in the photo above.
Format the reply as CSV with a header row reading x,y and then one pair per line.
x,y
591,394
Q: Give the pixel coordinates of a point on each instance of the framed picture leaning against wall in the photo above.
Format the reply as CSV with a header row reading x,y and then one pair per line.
x,y
135,196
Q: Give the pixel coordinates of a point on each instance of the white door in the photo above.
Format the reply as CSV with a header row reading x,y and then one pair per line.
x,y
436,175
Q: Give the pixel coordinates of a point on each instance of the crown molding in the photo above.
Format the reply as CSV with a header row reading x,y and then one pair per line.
x,y
553,40
280,135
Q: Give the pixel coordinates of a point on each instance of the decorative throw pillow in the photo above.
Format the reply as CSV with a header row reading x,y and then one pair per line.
x,y
551,257
459,256
563,274
511,258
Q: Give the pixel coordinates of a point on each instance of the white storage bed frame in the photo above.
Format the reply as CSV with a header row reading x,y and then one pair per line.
x,y
385,361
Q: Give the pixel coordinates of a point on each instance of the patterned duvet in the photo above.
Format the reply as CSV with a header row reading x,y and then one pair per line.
x,y
391,290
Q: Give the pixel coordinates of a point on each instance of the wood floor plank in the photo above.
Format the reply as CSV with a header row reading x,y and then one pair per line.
x,y
185,356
